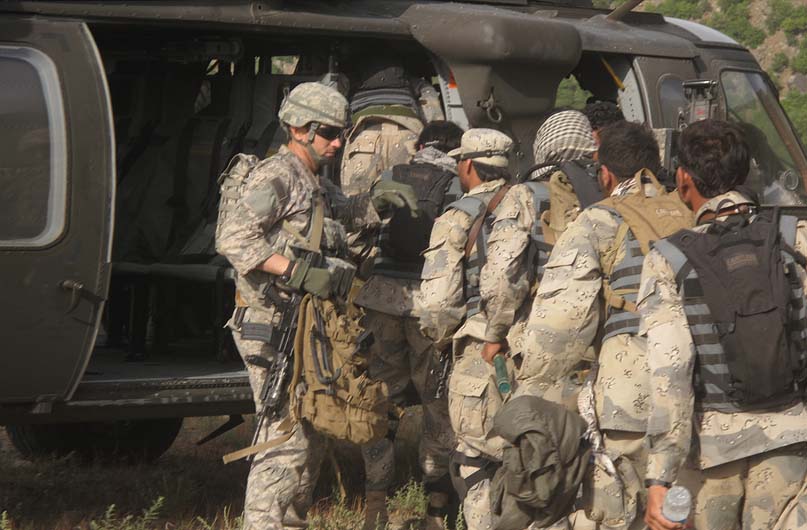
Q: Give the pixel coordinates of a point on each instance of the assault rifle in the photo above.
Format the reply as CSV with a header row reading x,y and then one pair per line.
x,y
446,361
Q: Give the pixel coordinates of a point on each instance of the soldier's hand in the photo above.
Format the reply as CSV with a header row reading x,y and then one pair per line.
x,y
653,516
390,194
310,279
490,350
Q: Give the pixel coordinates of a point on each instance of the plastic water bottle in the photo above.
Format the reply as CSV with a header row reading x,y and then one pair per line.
x,y
677,505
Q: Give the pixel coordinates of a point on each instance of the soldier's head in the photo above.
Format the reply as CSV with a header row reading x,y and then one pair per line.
x,y
564,136
713,158
314,116
483,156
441,135
625,149
600,115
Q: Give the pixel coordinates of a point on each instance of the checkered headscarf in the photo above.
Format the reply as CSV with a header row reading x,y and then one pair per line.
x,y
563,137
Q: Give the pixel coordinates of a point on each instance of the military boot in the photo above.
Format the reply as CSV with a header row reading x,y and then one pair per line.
x,y
375,511
437,511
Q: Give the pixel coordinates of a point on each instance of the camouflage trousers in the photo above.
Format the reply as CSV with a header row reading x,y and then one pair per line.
x,y
281,480
749,494
473,400
618,504
400,355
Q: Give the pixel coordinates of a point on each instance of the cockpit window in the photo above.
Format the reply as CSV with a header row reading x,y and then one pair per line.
x,y
778,166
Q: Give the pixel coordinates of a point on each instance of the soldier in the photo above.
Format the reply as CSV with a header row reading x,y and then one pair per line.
x,y
517,247
448,307
589,291
722,306
260,232
401,355
564,148
601,114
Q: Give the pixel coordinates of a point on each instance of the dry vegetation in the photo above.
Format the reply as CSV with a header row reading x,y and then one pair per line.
x,y
188,488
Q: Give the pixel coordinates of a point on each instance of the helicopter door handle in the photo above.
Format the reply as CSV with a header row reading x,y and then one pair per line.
x,y
77,292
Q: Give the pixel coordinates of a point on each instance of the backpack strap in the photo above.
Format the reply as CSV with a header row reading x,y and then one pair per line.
x,y
476,228
587,189
314,240
677,260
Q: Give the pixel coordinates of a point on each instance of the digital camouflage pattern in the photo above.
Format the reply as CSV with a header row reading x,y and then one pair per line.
x,y
377,142
401,354
722,437
313,102
280,188
281,480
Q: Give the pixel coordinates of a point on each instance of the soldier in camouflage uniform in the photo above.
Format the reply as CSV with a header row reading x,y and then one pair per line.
x,y
753,462
259,232
517,249
571,311
401,356
448,308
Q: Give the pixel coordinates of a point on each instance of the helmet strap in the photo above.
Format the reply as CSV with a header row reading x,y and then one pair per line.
x,y
318,159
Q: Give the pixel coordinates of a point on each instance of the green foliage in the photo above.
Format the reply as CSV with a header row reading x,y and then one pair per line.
x,y
686,9
799,62
796,21
604,4
734,21
112,521
409,501
571,95
779,12
795,105
780,62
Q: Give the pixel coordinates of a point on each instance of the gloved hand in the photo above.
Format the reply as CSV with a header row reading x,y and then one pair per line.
x,y
310,279
390,194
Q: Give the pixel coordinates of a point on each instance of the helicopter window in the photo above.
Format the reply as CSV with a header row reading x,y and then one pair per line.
x,y
32,149
779,168
671,95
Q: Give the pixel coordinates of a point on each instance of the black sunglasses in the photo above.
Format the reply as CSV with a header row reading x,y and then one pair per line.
x,y
330,132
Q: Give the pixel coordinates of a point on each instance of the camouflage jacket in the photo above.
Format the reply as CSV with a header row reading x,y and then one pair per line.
x,y
440,305
566,316
721,437
281,188
504,281
395,296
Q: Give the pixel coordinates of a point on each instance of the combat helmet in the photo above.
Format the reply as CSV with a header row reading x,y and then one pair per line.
x,y
313,102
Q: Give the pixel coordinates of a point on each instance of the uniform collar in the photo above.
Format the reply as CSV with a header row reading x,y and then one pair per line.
x,y
722,203
630,187
487,187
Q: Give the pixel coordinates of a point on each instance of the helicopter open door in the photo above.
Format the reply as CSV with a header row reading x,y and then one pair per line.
x,y
57,178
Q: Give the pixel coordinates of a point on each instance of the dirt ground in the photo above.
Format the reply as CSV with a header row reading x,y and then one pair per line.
x,y
197,490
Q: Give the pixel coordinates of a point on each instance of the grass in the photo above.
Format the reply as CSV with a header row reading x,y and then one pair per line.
x,y
188,488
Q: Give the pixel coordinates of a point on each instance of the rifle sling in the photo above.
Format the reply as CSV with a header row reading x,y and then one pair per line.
x,y
473,234
263,446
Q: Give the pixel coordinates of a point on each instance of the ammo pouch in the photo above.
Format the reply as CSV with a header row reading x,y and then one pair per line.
x,y
339,397
612,501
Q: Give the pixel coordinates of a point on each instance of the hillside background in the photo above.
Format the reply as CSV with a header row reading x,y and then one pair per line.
x,y
774,30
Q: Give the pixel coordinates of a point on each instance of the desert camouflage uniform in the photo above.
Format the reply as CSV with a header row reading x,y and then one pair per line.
x,y
472,397
378,142
753,462
400,354
280,189
563,325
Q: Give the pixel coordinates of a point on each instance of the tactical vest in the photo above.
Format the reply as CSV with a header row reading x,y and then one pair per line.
x,y
403,239
475,206
642,220
714,385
